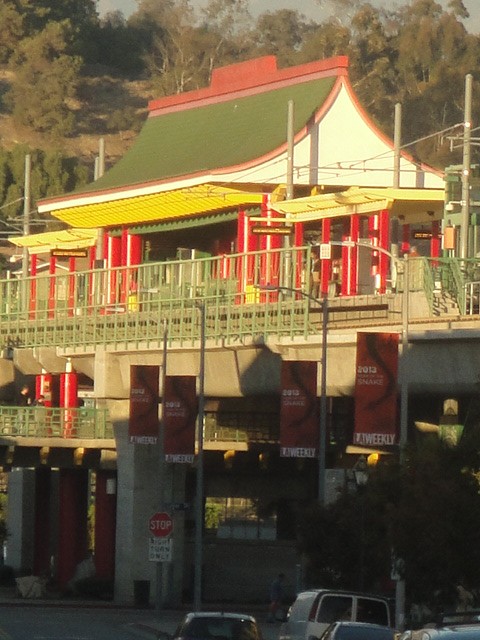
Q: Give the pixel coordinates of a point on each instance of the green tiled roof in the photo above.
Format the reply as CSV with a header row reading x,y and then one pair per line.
x,y
215,136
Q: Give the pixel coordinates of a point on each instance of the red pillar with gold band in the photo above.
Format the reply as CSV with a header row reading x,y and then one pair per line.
x,y
69,400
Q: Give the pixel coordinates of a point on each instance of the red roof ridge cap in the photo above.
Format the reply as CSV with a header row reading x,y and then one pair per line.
x,y
250,74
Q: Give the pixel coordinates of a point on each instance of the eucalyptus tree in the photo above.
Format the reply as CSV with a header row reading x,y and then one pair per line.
x,y
12,30
44,80
281,33
434,53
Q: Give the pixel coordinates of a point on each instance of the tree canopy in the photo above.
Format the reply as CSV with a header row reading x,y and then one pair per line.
x,y
425,512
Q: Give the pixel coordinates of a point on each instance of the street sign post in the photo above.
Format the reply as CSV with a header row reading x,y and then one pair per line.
x,y
160,549
160,544
161,524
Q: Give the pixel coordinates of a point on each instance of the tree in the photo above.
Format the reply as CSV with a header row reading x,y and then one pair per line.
x,y
281,33
12,30
45,79
434,53
426,510
373,58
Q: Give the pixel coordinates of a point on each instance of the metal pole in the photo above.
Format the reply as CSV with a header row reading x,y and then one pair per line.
x,y
290,136
161,466
467,132
322,445
400,582
397,143
197,596
26,229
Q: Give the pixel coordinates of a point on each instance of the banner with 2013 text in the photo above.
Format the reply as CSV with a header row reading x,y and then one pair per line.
x,y
180,409
143,424
299,410
376,377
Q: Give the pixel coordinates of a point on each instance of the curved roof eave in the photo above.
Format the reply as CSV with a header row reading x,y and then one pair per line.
x,y
196,144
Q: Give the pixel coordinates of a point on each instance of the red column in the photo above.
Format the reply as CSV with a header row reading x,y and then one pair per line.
x,y
33,285
91,280
269,260
52,287
298,242
383,242
114,260
350,275
247,243
345,282
42,548
71,287
72,526
435,242
105,523
131,257
405,239
43,387
326,264
69,400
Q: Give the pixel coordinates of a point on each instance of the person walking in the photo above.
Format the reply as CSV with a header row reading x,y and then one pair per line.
x,y
276,597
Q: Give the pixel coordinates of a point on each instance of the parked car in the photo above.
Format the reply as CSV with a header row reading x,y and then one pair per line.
x,y
458,625
358,631
208,625
314,610
454,632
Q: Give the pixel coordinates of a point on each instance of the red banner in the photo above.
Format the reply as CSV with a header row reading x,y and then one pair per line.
x,y
376,389
180,409
299,410
143,424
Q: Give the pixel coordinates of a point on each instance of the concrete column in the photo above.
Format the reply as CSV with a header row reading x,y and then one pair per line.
x,y
21,520
105,523
43,545
138,498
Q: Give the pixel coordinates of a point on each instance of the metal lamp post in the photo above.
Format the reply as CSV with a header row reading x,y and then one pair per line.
x,y
197,589
322,425
360,473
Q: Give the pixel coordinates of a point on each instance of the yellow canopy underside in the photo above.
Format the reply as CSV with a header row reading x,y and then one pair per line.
x,y
51,240
407,202
158,207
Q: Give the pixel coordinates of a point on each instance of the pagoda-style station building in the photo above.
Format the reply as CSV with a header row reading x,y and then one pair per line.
x,y
202,253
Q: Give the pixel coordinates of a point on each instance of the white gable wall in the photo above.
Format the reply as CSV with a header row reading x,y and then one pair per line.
x,y
343,149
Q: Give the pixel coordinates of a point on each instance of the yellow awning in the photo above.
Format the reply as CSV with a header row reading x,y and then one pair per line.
x,y
158,207
418,204
65,239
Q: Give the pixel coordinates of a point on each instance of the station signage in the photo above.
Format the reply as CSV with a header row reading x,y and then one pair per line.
x,y
271,231
69,253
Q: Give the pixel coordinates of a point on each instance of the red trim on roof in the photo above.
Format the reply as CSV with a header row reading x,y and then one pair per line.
x,y
247,78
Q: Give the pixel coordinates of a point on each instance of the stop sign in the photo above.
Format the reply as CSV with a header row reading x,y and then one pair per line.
x,y
160,525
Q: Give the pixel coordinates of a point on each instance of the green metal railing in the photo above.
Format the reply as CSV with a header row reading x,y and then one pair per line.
x,y
129,307
53,422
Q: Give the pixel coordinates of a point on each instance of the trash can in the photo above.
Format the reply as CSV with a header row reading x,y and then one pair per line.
x,y
141,593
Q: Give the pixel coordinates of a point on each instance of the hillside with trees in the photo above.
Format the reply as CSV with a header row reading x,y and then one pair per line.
x,y
69,77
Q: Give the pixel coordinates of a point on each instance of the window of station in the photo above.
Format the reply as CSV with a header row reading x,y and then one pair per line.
x,y
238,518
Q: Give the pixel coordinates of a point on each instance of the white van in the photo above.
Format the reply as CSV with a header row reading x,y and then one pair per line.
x,y
314,610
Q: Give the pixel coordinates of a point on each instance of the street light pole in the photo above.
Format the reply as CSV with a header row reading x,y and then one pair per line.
x,y
197,589
322,425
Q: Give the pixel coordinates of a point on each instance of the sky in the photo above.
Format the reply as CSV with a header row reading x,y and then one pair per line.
x,y
310,8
